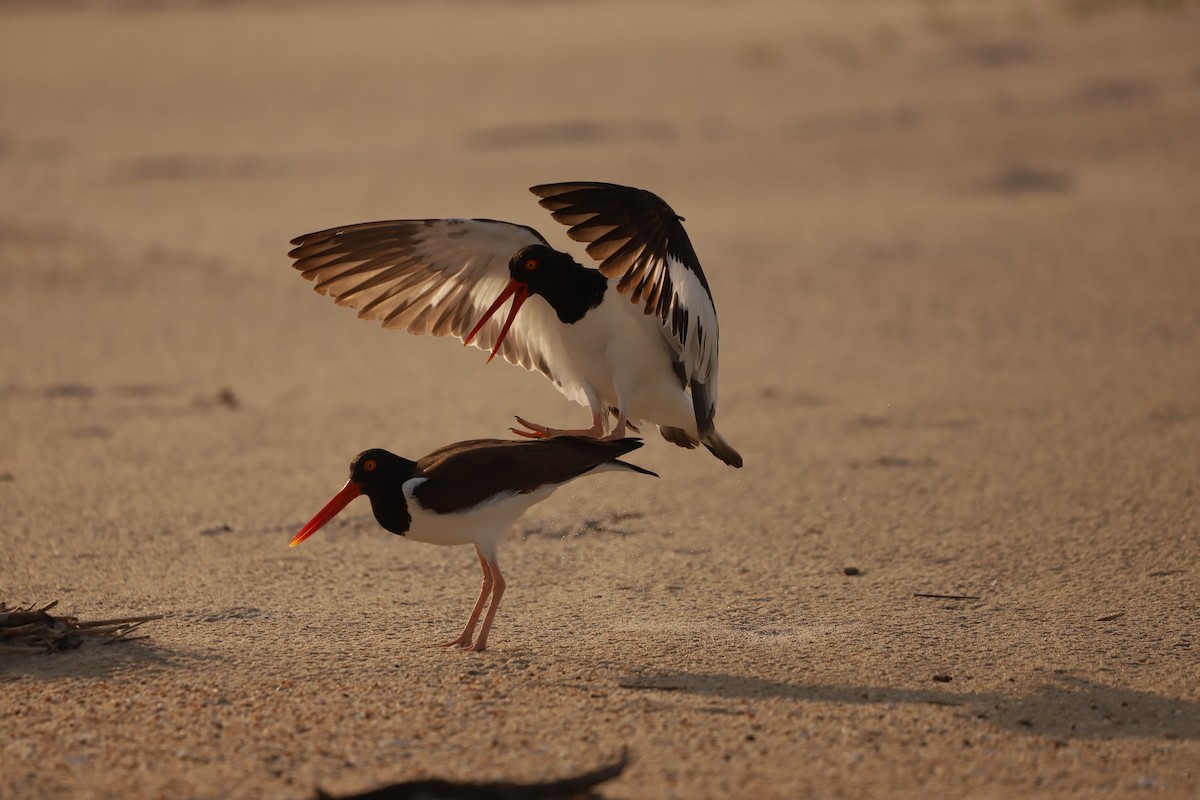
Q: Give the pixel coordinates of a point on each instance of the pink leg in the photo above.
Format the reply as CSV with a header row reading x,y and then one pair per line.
x,y
464,638
497,593
618,431
542,432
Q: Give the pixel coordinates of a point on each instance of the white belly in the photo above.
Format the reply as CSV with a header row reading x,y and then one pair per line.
x,y
481,525
625,361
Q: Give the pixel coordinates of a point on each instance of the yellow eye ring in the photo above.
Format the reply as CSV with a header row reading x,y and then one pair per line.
x,y
531,265
369,465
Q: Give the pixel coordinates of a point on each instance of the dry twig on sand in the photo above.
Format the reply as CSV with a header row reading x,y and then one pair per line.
x,y
30,630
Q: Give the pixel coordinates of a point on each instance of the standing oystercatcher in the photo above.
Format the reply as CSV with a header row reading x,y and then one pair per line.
x,y
650,356
471,493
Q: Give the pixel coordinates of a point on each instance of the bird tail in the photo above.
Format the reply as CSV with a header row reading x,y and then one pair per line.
x,y
715,443
599,455
632,467
705,406
720,448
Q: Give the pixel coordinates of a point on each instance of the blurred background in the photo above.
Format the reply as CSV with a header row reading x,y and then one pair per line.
x,y
916,217
816,148
924,223
953,245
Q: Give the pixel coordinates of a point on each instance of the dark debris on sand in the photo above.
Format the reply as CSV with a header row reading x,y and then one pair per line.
x,y
30,630
579,786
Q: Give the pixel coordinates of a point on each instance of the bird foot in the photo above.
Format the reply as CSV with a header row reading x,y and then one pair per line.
x,y
529,434
463,646
537,431
462,642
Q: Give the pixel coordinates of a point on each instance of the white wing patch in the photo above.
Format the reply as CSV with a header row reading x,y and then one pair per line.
x,y
698,342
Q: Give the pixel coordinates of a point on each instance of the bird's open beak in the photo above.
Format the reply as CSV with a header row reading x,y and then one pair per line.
x,y
521,292
340,500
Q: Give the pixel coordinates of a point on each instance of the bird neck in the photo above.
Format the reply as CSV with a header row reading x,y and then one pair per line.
x,y
386,492
391,512
575,292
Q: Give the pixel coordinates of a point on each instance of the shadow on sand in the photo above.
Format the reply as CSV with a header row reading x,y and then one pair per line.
x,y
97,660
1062,708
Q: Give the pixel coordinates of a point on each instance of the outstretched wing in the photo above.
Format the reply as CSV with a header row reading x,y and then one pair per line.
x,y
436,276
640,240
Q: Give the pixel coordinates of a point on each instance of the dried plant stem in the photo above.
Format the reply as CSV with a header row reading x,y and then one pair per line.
x,y
30,630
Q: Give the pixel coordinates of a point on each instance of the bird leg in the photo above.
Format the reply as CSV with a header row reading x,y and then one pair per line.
x,y
497,593
542,432
464,638
618,431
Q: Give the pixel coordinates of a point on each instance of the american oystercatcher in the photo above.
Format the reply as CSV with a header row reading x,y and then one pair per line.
x,y
650,356
471,493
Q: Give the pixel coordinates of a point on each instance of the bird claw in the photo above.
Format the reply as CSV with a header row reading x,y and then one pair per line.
x,y
542,432
528,434
460,642
535,431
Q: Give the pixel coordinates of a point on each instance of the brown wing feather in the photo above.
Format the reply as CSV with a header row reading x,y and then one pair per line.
x,y
466,473
639,240
436,276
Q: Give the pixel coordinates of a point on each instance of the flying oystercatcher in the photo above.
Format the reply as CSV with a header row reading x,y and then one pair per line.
x,y
650,356
471,493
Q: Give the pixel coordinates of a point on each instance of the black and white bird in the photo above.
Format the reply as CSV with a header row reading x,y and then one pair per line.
x,y
635,339
471,493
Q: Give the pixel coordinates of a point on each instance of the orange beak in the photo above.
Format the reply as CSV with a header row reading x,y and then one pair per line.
x,y
521,292
340,500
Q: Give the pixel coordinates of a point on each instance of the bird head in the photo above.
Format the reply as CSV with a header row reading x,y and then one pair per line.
x,y
541,270
371,473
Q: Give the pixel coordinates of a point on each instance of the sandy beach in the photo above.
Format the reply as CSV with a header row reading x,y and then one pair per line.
x,y
955,249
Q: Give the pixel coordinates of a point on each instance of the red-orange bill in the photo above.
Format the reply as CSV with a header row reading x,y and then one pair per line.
x,y
514,287
340,500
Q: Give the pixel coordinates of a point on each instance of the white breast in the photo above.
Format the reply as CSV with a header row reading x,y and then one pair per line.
x,y
481,525
626,362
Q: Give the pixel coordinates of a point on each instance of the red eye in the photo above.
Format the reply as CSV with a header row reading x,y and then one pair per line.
x,y
531,265
369,465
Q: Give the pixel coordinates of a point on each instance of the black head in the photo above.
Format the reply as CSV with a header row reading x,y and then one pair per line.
x,y
538,265
377,470
570,288
379,475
